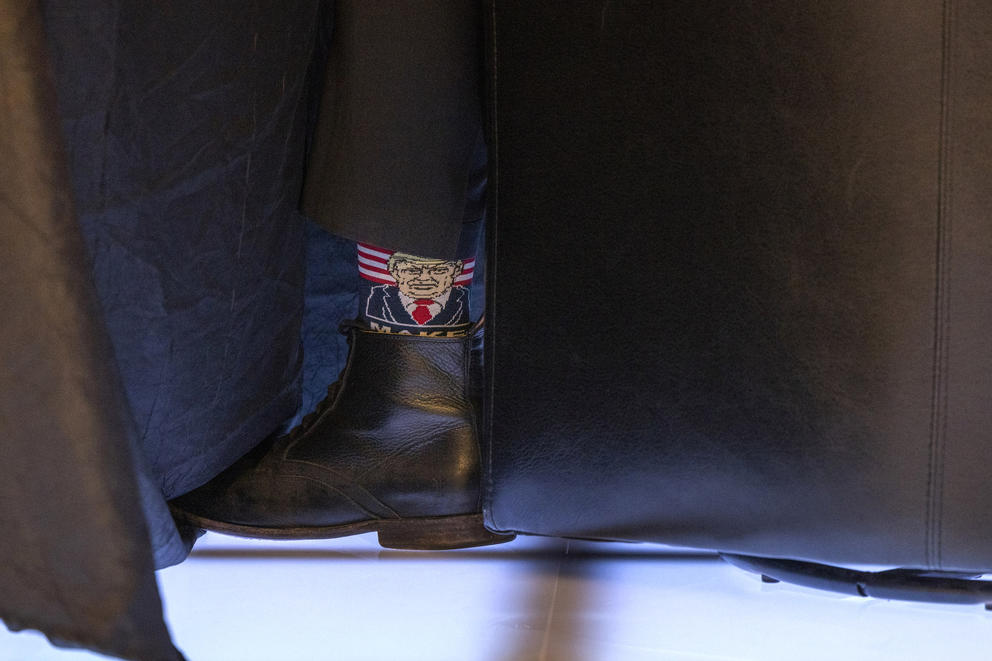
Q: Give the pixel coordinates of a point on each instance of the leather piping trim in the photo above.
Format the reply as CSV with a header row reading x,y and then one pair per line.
x,y
492,273
938,401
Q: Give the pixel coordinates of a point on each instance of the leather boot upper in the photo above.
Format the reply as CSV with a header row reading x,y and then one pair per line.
x,y
396,438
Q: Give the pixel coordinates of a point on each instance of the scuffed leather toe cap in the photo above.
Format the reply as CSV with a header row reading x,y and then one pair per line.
x,y
260,493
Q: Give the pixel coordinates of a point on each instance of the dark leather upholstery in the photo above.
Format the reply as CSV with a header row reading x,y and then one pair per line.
x,y
743,277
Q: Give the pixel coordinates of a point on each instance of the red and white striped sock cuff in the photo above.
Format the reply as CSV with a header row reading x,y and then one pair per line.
x,y
372,265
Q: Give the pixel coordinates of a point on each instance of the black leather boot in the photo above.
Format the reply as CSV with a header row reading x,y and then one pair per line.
x,y
393,449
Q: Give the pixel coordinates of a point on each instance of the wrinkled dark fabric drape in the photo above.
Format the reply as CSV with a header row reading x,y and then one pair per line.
x,y
185,129
75,556
152,286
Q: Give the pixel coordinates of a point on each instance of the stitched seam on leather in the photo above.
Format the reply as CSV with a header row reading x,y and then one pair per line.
x,y
938,405
345,495
473,417
492,266
347,483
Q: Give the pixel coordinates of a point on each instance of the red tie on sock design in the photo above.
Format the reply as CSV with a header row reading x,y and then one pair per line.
x,y
423,312
397,284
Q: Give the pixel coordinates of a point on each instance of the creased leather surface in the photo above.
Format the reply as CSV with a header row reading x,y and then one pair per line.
x,y
396,438
761,232
75,555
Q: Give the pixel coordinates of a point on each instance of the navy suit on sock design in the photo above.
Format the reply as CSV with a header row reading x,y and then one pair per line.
x,y
385,305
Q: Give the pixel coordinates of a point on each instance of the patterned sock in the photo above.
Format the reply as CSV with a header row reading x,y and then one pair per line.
x,y
404,293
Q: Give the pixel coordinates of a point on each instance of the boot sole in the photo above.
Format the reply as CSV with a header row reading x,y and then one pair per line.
x,y
414,534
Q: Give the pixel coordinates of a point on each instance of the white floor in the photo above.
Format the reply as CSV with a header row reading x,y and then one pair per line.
x,y
533,599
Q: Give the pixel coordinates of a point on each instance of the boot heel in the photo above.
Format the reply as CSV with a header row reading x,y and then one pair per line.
x,y
438,533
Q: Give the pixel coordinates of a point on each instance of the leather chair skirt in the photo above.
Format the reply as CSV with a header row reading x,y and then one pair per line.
x,y
743,277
